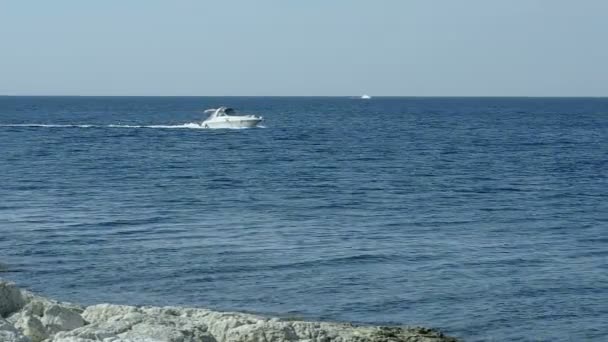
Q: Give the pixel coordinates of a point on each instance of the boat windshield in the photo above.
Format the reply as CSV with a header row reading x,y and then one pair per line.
x,y
222,111
225,111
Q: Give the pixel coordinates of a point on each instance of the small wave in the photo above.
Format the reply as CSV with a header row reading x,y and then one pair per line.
x,y
190,125
4,268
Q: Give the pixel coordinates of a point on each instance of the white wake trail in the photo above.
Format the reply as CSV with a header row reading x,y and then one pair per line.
x,y
50,126
190,125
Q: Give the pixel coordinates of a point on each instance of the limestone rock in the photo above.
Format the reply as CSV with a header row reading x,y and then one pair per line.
x,y
58,318
31,318
8,333
31,327
117,323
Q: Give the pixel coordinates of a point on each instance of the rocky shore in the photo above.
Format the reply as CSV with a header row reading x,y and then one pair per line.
x,y
26,317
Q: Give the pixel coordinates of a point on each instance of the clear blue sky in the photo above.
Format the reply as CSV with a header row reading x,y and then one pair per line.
x,y
305,47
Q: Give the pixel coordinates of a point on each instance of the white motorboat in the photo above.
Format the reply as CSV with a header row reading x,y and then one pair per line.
x,y
365,97
225,117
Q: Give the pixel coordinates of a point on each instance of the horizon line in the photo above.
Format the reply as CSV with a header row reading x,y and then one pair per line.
x,y
332,96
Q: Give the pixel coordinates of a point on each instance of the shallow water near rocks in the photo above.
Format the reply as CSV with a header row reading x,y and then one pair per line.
x,y
484,217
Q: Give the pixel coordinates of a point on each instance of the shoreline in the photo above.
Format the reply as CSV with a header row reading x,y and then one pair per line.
x,y
27,317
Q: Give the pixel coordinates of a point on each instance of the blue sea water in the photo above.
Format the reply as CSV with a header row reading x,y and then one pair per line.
x,y
484,217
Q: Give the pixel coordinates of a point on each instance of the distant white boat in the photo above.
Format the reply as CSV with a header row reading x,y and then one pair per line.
x,y
224,117
365,97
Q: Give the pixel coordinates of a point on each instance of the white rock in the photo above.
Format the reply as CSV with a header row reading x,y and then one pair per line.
x,y
41,318
35,307
58,318
8,333
103,312
31,327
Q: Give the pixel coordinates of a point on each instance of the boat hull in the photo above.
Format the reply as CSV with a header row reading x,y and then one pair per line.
x,y
233,123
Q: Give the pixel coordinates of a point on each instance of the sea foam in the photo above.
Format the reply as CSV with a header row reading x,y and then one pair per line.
x,y
190,125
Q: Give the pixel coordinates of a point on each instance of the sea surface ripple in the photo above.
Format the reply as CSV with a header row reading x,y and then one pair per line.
x,y
484,217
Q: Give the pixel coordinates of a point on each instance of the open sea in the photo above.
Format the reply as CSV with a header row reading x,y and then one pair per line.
x,y
484,217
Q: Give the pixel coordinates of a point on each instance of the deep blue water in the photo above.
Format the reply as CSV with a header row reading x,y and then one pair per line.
x,y
484,217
